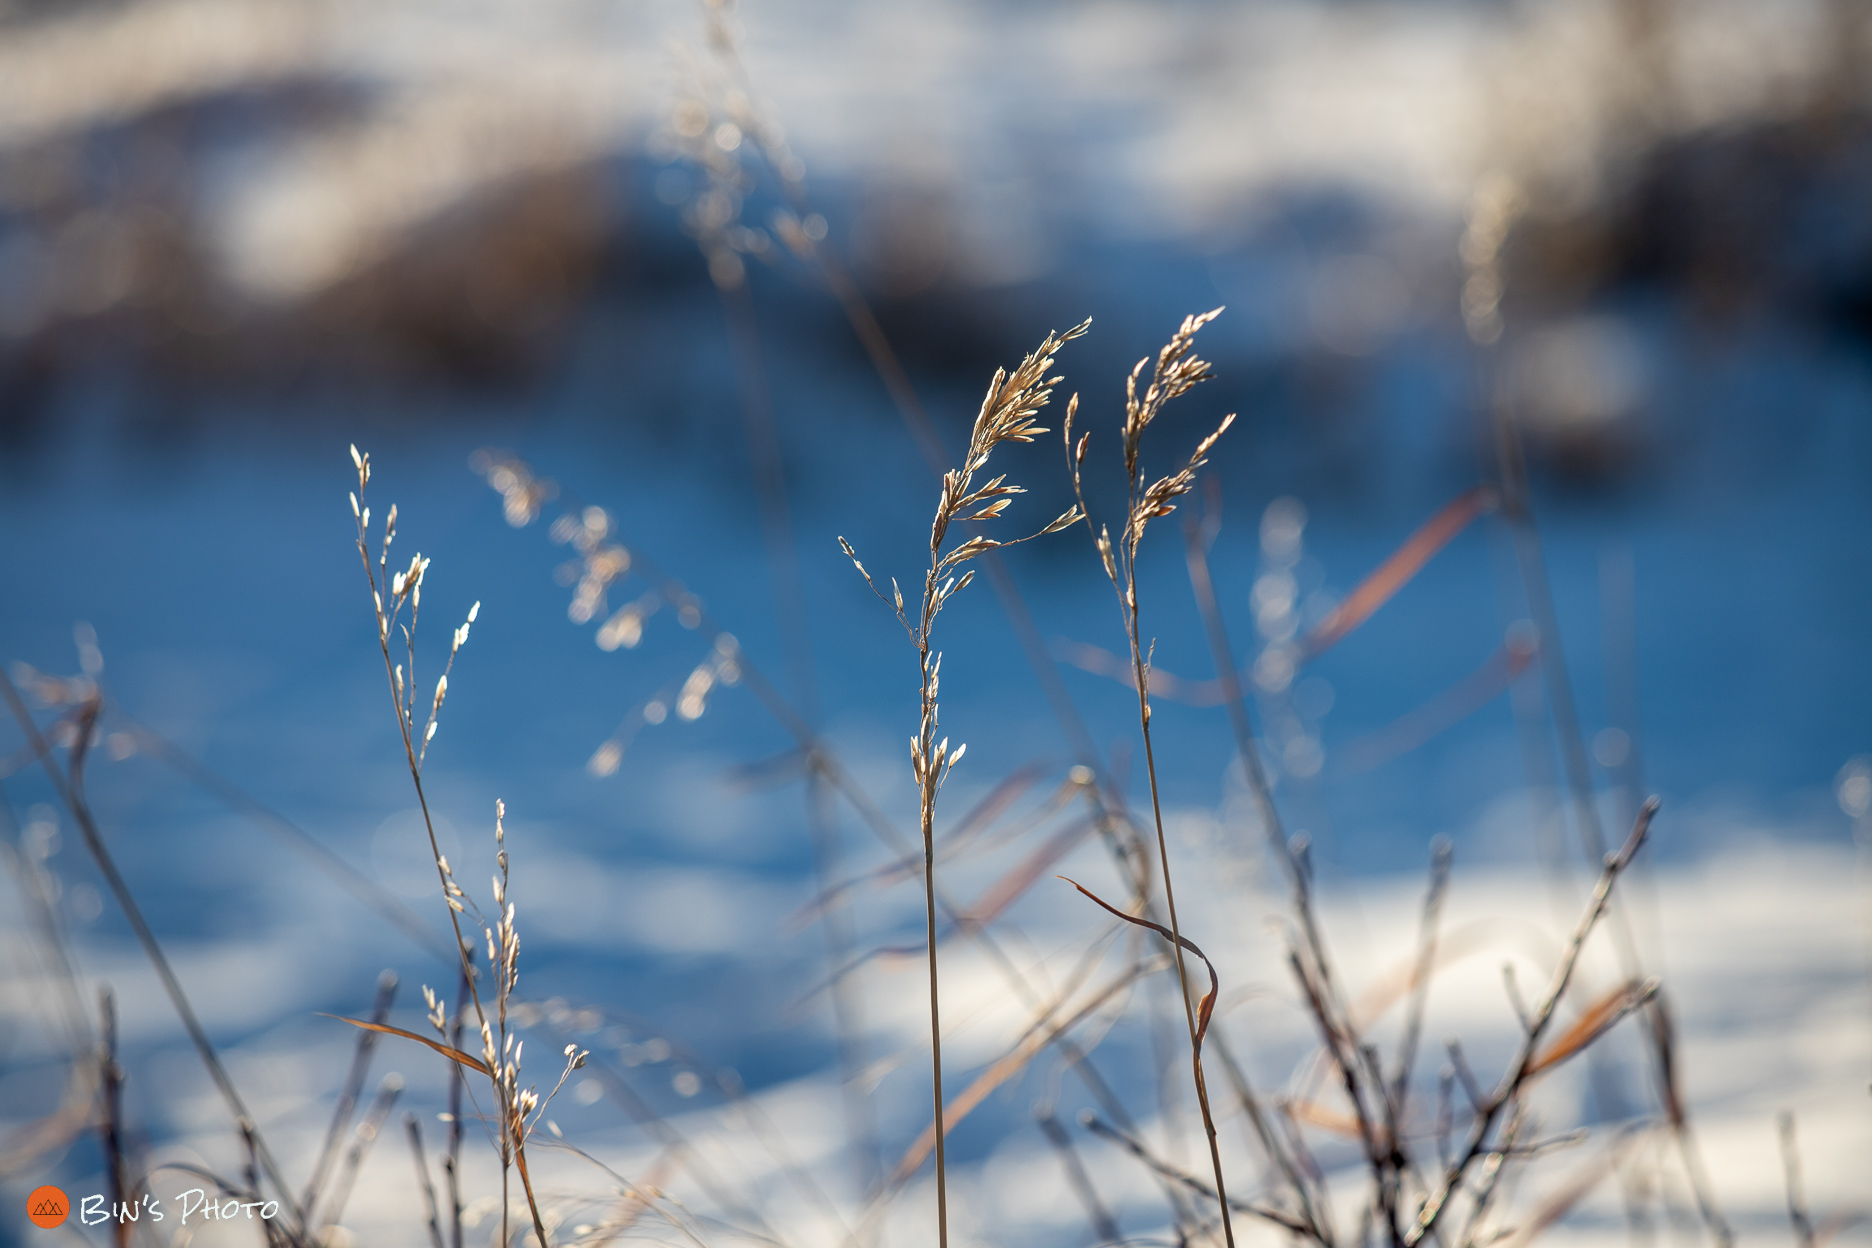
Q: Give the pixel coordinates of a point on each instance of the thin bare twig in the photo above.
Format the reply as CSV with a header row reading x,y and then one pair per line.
x,y
70,790
1008,414
347,1097
1177,371
361,1142
1518,1072
115,1166
1136,1148
1103,1224
1314,970
412,1125
1494,213
1440,854
1796,1193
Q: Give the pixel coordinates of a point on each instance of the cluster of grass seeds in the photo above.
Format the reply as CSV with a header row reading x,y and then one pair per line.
x,y
1008,414
1178,370
1453,1197
518,1111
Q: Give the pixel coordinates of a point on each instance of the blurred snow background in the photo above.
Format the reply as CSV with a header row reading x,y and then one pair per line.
x,y
236,235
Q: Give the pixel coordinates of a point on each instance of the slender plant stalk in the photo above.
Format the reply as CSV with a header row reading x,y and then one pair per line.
x,y
347,1097
413,1126
521,491
115,1165
1007,415
71,792
519,1111
75,1109
776,515
1177,371
1798,1216
451,1160
1494,214
1528,1060
1103,1225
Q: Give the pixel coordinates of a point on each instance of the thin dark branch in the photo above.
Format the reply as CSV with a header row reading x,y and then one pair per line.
x,y
347,1096
1513,1081
1136,1148
1103,1224
1796,1194
71,792
1440,854
414,1128
1317,1228
115,1166
366,1135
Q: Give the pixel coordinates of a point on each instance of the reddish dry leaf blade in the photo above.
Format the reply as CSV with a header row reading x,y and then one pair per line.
x,y
1163,684
1587,1177
1006,1068
1441,713
1664,1038
1009,888
1395,572
1833,1226
983,815
448,1051
1604,1012
991,807
1207,1007
1314,1114
1399,980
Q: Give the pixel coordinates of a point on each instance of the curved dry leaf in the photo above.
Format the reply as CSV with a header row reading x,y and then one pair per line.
x,y
1583,1180
1442,712
1005,891
1392,575
448,1051
1400,979
1831,1228
1207,1006
1598,1018
1316,1115
1007,1067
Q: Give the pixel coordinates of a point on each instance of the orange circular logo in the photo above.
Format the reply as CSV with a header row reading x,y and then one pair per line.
x,y
47,1206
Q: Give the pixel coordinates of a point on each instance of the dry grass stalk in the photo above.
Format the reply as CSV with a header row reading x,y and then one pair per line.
x,y
1137,1149
361,1144
1791,1171
116,1166
1495,211
1008,414
790,607
1525,1064
413,1126
69,785
347,1096
27,1143
1378,1102
1177,371
451,1159
518,1111
1044,1030
522,493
